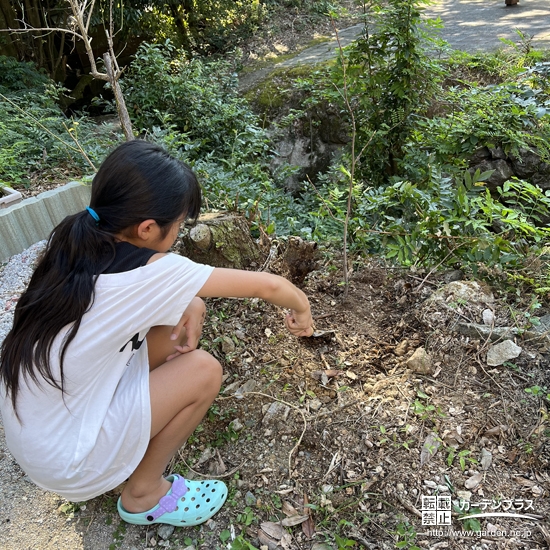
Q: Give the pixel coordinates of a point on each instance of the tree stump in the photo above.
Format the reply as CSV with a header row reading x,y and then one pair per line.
x,y
299,259
221,240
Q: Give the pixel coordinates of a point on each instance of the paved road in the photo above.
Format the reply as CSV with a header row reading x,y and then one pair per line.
x,y
478,25
469,25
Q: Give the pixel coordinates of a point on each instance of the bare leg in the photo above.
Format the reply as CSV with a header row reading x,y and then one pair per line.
x,y
181,392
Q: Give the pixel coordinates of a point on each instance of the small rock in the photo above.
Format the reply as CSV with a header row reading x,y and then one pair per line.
x,y
431,484
327,488
473,482
315,404
463,291
232,387
453,275
189,548
211,524
249,385
486,459
240,334
400,487
420,362
236,425
494,529
165,531
500,353
488,317
276,413
464,495
250,499
473,330
227,345
401,348
206,455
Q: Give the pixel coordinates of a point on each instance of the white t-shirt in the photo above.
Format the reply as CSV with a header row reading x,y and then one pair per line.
x,y
93,439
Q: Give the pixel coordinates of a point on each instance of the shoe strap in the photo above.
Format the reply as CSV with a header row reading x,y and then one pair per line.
x,y
169,502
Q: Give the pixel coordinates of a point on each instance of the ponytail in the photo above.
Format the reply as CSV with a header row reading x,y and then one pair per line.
x,y
137,181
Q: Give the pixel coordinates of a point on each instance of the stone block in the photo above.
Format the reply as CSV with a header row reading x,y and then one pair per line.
x,y
32,220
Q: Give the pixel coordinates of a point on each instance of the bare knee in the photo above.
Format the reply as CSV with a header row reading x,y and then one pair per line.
x,y
211,370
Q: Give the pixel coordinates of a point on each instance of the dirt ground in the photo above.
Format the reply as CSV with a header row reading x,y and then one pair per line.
x,y
336,436
335,441
353,421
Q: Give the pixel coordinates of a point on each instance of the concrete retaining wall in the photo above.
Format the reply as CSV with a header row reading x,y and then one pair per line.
x,y
33,219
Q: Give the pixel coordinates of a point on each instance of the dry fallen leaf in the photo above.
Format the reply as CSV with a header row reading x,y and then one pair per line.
x,y
284,491
294,520
308,526
497,430
473,481
267,541
431,444
274,530
324,375
486,459
289,510
286,542
525,482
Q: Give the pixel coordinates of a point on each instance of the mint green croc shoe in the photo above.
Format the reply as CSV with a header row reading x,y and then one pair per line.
x,y
187,503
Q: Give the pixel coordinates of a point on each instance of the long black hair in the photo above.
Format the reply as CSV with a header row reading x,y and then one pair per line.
x,y
136,182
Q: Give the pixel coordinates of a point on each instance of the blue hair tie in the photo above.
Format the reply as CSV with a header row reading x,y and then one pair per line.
x,y
93,213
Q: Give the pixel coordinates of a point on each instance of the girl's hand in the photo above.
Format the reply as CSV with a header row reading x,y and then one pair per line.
x,y
299,324
189,325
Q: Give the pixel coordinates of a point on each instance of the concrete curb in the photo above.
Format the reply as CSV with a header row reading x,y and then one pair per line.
x,y
32,220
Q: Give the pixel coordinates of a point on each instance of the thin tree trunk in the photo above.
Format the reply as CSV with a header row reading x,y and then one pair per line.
x,y
123,115
32,15
7,21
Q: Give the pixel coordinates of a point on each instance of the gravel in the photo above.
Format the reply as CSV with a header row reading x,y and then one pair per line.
x,y
14,277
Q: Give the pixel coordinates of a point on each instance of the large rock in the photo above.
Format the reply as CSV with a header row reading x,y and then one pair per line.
x,y
463,291
525,164
502,172
542,180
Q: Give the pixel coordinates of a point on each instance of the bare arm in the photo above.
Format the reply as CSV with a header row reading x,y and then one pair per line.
x,y
234,283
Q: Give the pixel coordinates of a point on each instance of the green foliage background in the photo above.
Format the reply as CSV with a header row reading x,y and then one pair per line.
x,y
416,119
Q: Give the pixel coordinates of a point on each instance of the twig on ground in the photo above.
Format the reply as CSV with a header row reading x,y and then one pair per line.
x,y
228,474
417,289
240,395
408,506
327,413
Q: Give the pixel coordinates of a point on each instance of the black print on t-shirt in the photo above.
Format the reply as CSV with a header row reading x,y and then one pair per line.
x,y
136,342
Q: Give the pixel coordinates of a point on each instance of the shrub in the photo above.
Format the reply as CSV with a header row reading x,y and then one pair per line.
x,y
34,132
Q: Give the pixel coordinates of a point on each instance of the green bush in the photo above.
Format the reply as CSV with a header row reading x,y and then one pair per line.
x,y
390,78
193,109
34,132
196,98
17,77
506,115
